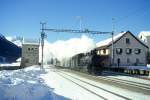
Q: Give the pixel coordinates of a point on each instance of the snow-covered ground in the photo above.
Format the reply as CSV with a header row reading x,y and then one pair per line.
x,y
26,84
10,64
32,83
117,90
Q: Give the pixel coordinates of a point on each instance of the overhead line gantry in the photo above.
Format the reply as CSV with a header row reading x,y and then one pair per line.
x,y
43,35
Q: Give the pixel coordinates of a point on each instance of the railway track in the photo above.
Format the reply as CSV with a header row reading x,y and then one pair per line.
x,y
124,74
131,83
136,86
127,82
94,89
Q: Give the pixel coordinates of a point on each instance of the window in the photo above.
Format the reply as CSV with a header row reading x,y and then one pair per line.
x,y
137,51
137,60
128,51
98,52
118,61
32,49
118,50
128,60
104,51
127,41
28,49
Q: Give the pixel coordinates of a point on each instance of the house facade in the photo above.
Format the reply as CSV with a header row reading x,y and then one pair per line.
x,y
128,50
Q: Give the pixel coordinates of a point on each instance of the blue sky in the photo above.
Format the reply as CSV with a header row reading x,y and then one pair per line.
x,y
22,17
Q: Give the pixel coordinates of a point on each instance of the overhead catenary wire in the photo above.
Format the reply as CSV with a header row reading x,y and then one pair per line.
x,y
69,31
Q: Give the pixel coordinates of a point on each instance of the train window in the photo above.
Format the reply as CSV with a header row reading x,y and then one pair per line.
x,y
104,51
98,52
119,50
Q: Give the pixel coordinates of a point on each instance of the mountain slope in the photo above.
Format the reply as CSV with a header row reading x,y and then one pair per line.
x,y
9,51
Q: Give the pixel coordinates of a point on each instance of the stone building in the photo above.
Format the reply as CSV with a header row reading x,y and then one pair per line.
x,y
30,53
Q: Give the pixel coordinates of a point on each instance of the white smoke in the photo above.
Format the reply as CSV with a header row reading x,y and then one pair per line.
x,y
64,49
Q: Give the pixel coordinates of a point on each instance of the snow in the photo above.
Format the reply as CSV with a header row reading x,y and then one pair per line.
x,y
16,40
123,92
18,60
109,40
33,83
144,33
25,84
31,41
10,64
148,65
67,88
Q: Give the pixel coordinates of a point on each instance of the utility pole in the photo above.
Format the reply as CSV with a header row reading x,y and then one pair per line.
x,y
80,22
74,31
42,41
112,56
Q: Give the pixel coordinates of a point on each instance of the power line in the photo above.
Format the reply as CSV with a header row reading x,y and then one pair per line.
x,y
73,31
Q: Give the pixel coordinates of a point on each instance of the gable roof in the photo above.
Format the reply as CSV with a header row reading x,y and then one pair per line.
x,y
108,42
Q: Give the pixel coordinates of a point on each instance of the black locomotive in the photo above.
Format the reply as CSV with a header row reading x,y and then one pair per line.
x,y
89,62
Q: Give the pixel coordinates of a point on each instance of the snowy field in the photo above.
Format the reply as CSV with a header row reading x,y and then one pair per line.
x,y
32,83
26,84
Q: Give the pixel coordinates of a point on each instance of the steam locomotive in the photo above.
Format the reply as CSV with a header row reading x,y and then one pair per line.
x,y
89,63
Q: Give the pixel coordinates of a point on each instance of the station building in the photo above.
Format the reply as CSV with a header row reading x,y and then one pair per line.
x,y
128,50
30,53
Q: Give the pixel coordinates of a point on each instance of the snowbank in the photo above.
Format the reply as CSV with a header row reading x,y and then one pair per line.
x,y
25,84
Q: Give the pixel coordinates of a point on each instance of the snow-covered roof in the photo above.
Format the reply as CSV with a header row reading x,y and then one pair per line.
x,y
144,33
109,40
31,41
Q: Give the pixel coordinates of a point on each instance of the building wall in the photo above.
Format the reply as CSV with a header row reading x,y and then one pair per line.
x,y
30,55
129,59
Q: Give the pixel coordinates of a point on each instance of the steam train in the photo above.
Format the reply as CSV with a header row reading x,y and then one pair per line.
x,y
93,63
89,63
